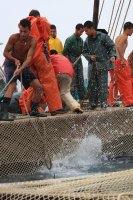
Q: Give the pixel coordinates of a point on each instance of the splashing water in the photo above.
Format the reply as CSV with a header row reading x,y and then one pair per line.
x,y
87,154
87,159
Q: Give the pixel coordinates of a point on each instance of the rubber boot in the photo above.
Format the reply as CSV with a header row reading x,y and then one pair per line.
x,y
34,110
4,115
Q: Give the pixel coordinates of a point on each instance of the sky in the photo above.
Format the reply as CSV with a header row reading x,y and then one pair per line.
x,y
65,14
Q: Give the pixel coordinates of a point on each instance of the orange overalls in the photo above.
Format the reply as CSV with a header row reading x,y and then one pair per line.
x,y
124,82
42,68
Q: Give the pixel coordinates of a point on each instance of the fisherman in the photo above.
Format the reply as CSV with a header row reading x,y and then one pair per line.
x,y
122,67
100,52
54,42
19,52
64,74
73,50
41,65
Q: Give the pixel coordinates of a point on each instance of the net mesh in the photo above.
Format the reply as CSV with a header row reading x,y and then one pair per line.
x,y
118,185
29,143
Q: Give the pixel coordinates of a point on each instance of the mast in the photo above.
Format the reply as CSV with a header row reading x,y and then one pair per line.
x,y
95,13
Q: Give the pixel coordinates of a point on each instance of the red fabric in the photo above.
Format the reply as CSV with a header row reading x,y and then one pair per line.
x,y
62,65
21,102
124,82
27,95
44,28
113,89
40,30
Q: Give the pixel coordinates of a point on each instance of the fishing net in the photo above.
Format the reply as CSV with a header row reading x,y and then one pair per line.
x,y
112,186
29,143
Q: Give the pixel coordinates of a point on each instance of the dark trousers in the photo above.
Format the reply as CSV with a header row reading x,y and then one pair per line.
x,y
77,86
98,86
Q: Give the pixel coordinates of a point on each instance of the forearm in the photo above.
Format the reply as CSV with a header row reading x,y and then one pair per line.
x,y
26,63
120,53
8,56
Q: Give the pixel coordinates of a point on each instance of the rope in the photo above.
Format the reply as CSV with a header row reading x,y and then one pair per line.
x,y
118,18
101,11
111,15
9,82
2,74
48,165
21,80
115,17
75,62
125,15
121,196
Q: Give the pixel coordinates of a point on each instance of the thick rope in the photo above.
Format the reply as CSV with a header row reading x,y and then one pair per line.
x,y
21,80
111,16
121,196
125,15
101,11
115,17
48,165
8,82
2,74
118,18
75,62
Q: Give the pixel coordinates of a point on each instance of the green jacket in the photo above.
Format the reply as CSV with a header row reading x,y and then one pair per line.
x,y
73,47
103,47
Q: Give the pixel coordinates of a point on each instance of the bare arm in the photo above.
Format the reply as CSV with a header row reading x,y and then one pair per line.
x,y
9,48
121,46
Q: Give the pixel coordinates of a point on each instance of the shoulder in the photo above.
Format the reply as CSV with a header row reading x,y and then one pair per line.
x,y
121,37
58,39
71,38
14,37
101,35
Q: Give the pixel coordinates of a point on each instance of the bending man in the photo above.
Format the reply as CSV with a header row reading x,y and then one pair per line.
x,y
19,51
64,74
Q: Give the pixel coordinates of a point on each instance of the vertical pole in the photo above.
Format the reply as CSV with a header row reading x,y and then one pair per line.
x,y
95,13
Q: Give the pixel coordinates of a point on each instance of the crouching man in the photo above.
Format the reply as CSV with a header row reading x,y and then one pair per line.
x,y
19,52
64,74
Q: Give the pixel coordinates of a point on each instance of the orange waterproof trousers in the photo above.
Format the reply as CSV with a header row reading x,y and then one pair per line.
x,y
46,75
113,89
27,96
124,82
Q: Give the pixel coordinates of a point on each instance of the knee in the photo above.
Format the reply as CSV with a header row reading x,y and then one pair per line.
x,y
39,88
